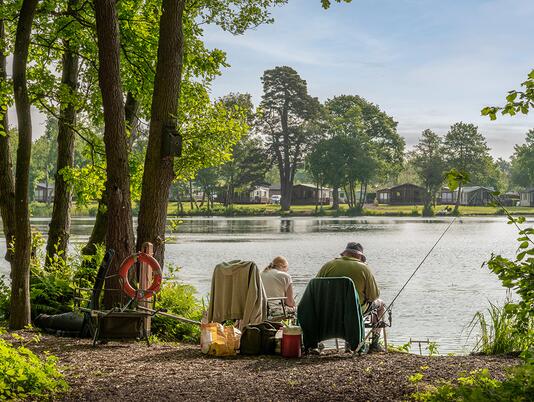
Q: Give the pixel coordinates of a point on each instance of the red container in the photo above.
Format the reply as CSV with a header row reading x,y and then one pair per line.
x,y
291,342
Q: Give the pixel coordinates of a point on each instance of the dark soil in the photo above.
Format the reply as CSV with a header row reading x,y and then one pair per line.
x,y
132,371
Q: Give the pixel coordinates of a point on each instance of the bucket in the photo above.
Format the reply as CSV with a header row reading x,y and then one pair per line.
x,y
291,341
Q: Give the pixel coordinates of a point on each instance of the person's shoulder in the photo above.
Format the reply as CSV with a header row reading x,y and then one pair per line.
x,y
366,268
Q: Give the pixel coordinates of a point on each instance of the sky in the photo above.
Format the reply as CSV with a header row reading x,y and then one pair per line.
x,y
427,63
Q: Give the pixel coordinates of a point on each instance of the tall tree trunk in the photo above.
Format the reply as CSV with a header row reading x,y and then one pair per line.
x,y
100,227
335,198
7,182
456,210
58,234
119,235
158,173
20,268
286,190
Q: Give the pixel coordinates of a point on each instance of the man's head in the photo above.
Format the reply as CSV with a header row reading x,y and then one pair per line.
x,y
354,250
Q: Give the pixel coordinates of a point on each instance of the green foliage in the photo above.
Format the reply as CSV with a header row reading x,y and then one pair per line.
x,y
498,335
465,150
209,131
52,287
479,386
516,101
179,299
24,375
430,166
518,274
326,3
522,165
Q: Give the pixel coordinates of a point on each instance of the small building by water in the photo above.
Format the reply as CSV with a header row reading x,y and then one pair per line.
x,y
307,194
527,197
403,194
44,192
475,195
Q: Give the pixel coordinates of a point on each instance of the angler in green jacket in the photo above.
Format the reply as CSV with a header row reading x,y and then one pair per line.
x,y
351,264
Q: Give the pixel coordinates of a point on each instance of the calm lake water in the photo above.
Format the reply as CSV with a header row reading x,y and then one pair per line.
x,y
437,304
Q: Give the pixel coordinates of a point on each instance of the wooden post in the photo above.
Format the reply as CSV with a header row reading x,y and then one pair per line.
x,y
145,279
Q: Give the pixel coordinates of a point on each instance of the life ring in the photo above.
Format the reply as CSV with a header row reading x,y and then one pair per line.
x,y
140,294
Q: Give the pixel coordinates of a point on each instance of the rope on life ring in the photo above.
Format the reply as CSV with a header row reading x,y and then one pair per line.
x,y
140,294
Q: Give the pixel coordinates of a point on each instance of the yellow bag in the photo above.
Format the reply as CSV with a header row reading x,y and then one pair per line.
x,y
217,340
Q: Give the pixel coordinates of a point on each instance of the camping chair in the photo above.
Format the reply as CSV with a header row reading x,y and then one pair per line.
x,y
237,294
383,324
330,309
277,310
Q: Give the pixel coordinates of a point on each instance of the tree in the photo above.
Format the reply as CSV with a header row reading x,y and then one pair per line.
x,y
327,163
7,182
430,166
59,228
466,151
247,169
288,114
522,165
373,150
20,266
120,235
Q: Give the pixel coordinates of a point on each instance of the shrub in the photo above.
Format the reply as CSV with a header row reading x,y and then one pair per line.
x,y
179,299
479,386
498,335
52,287
23,375
518,274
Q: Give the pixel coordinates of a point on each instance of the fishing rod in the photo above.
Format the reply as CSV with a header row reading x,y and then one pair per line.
x,y
388,308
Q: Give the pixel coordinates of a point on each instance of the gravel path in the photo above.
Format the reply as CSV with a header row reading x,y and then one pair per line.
x,y
133,371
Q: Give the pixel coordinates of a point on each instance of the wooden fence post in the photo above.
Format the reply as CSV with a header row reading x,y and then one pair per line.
x,y
145,279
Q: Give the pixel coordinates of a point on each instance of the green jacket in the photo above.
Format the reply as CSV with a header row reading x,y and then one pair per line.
x,y
360,274
330,308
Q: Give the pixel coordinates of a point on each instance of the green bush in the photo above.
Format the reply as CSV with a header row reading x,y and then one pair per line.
x,y
52,287
498,334
518,274
23,375
179,299
479,386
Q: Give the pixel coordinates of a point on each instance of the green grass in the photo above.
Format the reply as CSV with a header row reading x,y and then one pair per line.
x,y
369,210
40,209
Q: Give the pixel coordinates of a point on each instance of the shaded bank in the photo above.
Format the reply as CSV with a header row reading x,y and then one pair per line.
x,y
123,371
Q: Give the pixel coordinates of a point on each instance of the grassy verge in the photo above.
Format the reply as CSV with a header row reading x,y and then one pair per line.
x,y
310,210
39,209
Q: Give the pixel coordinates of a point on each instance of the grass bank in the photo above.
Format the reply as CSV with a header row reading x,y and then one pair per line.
x,y
344,210
39,209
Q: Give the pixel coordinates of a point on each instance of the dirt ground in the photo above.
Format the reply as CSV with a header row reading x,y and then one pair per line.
x,y
132,371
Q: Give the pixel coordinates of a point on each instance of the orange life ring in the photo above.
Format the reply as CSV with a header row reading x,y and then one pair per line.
x,y
140,294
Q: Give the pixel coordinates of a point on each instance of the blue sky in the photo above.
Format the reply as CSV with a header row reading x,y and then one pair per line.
x,y
427,63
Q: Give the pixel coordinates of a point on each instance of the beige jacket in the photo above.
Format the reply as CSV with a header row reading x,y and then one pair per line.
x,y
237,293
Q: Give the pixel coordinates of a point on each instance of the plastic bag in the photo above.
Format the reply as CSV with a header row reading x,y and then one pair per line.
x,y
217,340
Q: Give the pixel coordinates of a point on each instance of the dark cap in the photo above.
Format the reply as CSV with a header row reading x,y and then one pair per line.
x,y
354,247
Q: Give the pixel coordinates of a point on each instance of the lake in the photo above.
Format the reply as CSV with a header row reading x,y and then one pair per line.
x,y
438,303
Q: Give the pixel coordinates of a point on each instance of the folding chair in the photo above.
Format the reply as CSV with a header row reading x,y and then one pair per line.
x,y
368,315
330,309
278,311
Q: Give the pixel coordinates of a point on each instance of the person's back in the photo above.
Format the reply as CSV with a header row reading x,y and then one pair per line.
x,y
278,284
275,282
352,265
356,270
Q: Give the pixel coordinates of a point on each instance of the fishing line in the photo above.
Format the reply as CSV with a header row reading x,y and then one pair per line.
x,y
388,308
